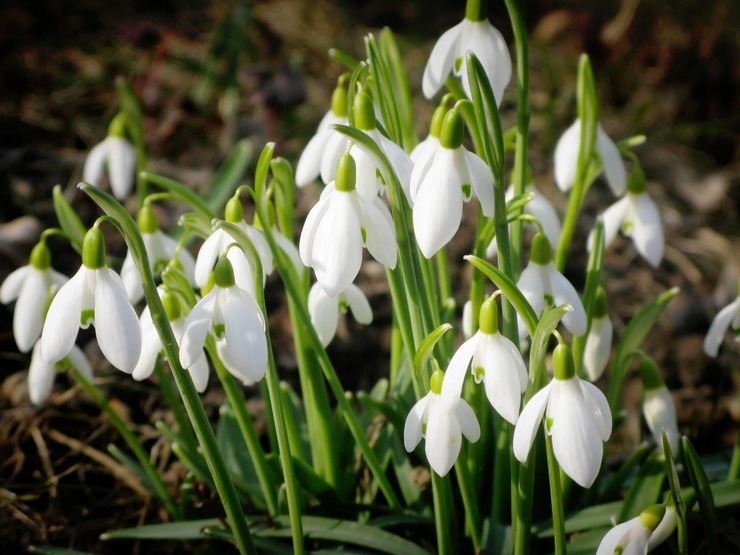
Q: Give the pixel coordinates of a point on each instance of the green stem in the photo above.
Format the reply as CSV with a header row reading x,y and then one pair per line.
x,y
470,501
445,526
476,10
156,480
556,498
175,403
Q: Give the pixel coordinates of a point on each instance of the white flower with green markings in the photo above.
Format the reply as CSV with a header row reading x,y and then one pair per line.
x,y
41,374
116,154
325,310
641,534
658,407
599,339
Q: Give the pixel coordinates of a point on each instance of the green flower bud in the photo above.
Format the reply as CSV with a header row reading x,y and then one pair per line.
x,y
339,100
171,307
117,126
40,257
541,252
488,321
435,382
562,362
650,374
234,213
435,127
600,307
364,112
93,249
346,174
224,273
453,130
147,220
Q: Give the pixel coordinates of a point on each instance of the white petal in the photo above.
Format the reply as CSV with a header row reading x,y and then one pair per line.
x,y
262,248
529,422
443,438
667,525
199,373
40,378
457,369
719,326
309,164
78,359
197,325
563,292
400,161
599,407
244,333
308,233
324,311
379,232
243,274
660,416
482,182
540,208
576,438
131,279
290,249
467,320
531,286
487,43
335,147
337,247
116,325
613,217
598,347
358,304
424,150
92,172
150,347
367,183
566,156
13,284
28,318
616,175
613,539
441,61
647,230
121,166
467,420
63,318
412,428
505,377
421,168
207,256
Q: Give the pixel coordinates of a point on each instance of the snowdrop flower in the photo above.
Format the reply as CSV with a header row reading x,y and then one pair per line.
x,y
325,310
495,361
542,285
309,164
425,149
219,243
634,536
577,416
160,249
566,159
120,157
541,210
94,295
658,406
728,317
237,323
337,228
441,184
152,344
599,340
442,420
29,286
41,374
637,217
369,183
475,34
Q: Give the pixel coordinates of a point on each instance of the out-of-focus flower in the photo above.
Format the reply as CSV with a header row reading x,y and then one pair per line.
x,y
658,406
442,420
309,164
30,287
477,35
337,228
325,310
94,295
577,416
235,319
566,159
160,250
118,155
442,182
727,318
542,285
638,535
599,340
41,374
495,361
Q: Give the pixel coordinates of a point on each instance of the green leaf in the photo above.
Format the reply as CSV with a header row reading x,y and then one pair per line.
x,y
427,346
343,58
646,488
403,97
180,192
703,493
51,550
486,113
229,176
181,531
617,480
633,336
68,219
538,350
678,499
260,173
131,464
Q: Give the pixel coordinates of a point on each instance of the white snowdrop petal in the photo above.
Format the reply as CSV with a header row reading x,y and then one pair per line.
x,y
487,43
503,379
28,318
719,326
358,304
262,248
121,166
540,208
421,169
309,164
531,286
116,325
40,378
401,163
412,433
441,61
667,525
566,156
197,325
443,439
563,292
289,248
92,171
457,369
424,151
150,347
207,257
616,175
529,422
647,230
13,284
598,347
599,407
335,147
366,180
612,540
324,311
63,318
379,232
482,182
243,273
308,234
660,416
467,420
244,333
612,218
131,279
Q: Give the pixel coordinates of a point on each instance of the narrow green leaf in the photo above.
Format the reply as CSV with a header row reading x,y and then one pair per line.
x,y
188,530
403,98
229,176
131,464
260,172
676,495
427,346
646,488
180,192
703,493
616,481
51,550
343,58
538,348
68,219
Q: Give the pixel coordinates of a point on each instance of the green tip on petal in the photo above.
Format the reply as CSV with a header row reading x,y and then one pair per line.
x,y
224,273
488,321
40,257
171,307
234,213
346,174
562,362
210,282
147,220
453,130
652,516
600,307
339,100
541,252
364,112
636,185
435,127
435,382
93,249
117,126
650,374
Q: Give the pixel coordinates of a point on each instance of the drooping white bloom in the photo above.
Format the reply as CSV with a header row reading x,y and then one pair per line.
x,y
442,182
635,537
577,416
160,250
599,340
41,374
448,56
658,406
566,159
727,318
30,287
638,218
495,360
337,228
309,164
325,310
237,323
667,525
542,285
152,344
94,295
441,420
368,181
119,156
541,210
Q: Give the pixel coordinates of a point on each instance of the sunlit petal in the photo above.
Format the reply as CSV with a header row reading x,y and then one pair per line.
x,y
529,422
441,60
116,325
